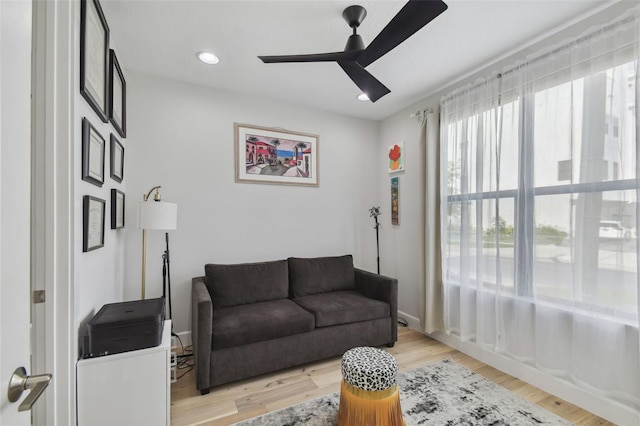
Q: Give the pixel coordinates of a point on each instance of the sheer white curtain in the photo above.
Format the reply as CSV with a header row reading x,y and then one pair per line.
x,y
540,211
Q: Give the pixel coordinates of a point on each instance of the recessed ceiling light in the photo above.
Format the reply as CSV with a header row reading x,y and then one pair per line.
x,y
208,58
363,97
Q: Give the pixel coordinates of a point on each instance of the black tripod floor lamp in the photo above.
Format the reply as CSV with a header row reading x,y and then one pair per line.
x,y
158,215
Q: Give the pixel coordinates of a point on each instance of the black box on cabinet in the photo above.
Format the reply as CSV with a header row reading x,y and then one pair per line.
x,y
125,326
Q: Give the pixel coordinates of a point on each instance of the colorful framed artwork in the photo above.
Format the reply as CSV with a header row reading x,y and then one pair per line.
x,y
92,154
92,223
117,209
116,159
94,57
117,97
395,201
396,158
275,156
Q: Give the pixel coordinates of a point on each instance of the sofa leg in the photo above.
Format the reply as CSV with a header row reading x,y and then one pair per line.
x,y
390,345
204,391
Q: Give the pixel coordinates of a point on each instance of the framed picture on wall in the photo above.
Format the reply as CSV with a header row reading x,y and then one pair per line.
x,y
92,154
92,223
94,57
275,156
117,209
396,158
395,201
116,158
117,97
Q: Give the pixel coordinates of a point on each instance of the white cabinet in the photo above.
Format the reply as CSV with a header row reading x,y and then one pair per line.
x,y
130,388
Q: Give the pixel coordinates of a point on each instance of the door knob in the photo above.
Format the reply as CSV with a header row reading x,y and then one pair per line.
x,y
20,382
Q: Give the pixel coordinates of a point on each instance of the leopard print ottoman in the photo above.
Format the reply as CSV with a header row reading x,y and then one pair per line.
x,y
369,394
369,369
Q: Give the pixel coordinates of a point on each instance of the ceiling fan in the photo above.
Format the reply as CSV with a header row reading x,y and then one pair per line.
x,y
355,57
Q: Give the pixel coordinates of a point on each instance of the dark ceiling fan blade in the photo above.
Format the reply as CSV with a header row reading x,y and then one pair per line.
x,y
365,81
314,57
412,17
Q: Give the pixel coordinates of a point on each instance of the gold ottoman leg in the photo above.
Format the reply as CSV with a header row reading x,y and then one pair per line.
x,y
359,407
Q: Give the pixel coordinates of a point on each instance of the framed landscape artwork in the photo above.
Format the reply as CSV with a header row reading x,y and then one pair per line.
x,y
275,156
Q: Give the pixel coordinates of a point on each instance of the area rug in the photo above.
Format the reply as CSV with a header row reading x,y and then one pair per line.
x,y
444,393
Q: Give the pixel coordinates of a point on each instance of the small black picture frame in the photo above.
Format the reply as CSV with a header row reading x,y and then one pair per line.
x,y
116,158
94,57
117,209
93,147
93,210
117,96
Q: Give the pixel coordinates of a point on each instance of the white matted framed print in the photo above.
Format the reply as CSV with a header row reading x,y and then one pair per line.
x,y
275,156
92,223
117,209
117,97
116,159
92,154
94,57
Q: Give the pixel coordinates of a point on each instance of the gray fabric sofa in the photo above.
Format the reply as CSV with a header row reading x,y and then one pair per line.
x,y
253,318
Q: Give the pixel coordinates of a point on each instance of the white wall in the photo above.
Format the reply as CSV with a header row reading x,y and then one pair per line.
x,y
181,137
400,245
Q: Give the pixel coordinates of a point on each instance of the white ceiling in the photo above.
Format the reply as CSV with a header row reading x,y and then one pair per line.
x,y
162,38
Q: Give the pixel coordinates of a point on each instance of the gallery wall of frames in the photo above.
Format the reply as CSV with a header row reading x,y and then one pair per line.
x,y
103,86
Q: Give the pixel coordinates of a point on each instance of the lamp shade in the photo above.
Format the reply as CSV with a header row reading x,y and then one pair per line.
x,y
158,215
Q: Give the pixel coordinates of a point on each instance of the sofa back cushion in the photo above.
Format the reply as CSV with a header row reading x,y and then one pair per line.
x,y
320,275
244,283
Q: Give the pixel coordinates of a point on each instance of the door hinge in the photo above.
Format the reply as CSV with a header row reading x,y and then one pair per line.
x,y
38,296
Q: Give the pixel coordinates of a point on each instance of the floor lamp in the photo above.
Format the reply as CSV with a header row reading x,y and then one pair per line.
x,y
374,212
157,215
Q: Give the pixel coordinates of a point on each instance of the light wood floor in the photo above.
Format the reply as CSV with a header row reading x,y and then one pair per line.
x,y
249,398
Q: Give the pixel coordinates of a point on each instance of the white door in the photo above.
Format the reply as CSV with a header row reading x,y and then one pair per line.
x,y
15,187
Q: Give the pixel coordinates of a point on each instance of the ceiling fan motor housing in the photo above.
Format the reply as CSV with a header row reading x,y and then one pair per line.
x,y
354,43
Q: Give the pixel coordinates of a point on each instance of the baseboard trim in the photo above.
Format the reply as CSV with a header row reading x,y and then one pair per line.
x,y
598,405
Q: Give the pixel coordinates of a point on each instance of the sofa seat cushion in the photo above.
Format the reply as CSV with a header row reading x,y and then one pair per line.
x,y
316,275
244,324
343,307
245,283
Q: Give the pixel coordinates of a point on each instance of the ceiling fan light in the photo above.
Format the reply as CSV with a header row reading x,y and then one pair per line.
x,y
208,58
363,97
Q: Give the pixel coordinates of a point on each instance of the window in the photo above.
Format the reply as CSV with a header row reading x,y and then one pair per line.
x,y
546,208
539,211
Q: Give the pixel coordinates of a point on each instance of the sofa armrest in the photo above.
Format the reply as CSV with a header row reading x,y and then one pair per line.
x,y
201,331
381,288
